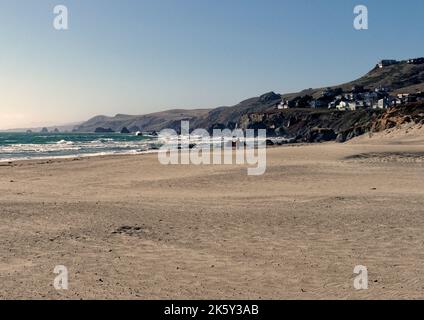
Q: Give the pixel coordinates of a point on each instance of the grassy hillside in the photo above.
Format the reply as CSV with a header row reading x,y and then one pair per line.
x,y
403,77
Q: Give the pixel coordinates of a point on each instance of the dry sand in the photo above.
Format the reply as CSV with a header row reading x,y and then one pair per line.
x,y
128,227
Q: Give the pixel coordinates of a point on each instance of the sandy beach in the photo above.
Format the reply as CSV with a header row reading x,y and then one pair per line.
x,y
127,227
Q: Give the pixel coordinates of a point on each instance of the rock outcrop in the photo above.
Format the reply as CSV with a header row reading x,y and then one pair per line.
x,y
398,116
103,130
125,130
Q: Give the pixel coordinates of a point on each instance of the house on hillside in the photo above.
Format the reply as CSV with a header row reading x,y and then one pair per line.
x,y
346,106
403,98
373,96
352,105
416,61
382,104
402,95
315,104
386,63
349,96
283,105
382,89
336,102
319,103
360,104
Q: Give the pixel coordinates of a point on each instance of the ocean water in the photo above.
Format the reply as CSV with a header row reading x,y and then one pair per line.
x,y
20,146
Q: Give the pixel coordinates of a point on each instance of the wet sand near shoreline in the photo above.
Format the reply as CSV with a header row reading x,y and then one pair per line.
x,y
127,227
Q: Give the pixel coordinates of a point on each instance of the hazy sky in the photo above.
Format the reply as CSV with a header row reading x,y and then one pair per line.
x,y
139,56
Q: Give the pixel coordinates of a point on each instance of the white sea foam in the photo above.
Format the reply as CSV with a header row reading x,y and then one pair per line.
x,y
68,148
64,142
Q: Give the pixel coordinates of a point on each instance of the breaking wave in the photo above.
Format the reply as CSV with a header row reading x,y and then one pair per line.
x,y
18,146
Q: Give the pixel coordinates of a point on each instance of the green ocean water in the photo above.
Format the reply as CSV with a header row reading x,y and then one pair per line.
x,y
16,146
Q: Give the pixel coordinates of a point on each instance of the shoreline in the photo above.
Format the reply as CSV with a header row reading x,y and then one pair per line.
x,y
76,157
151,151
55,159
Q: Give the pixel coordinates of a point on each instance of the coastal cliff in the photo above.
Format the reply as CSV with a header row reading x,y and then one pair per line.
x,y
310,125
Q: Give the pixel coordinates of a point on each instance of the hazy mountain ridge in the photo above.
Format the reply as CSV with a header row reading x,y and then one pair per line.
x,y
149,122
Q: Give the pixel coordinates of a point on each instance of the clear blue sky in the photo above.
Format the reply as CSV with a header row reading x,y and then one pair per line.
x,y
139,56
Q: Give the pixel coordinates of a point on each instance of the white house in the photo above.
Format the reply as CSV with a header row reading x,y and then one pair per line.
x,y
347,106
352,105
382,104
386,63
283,105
